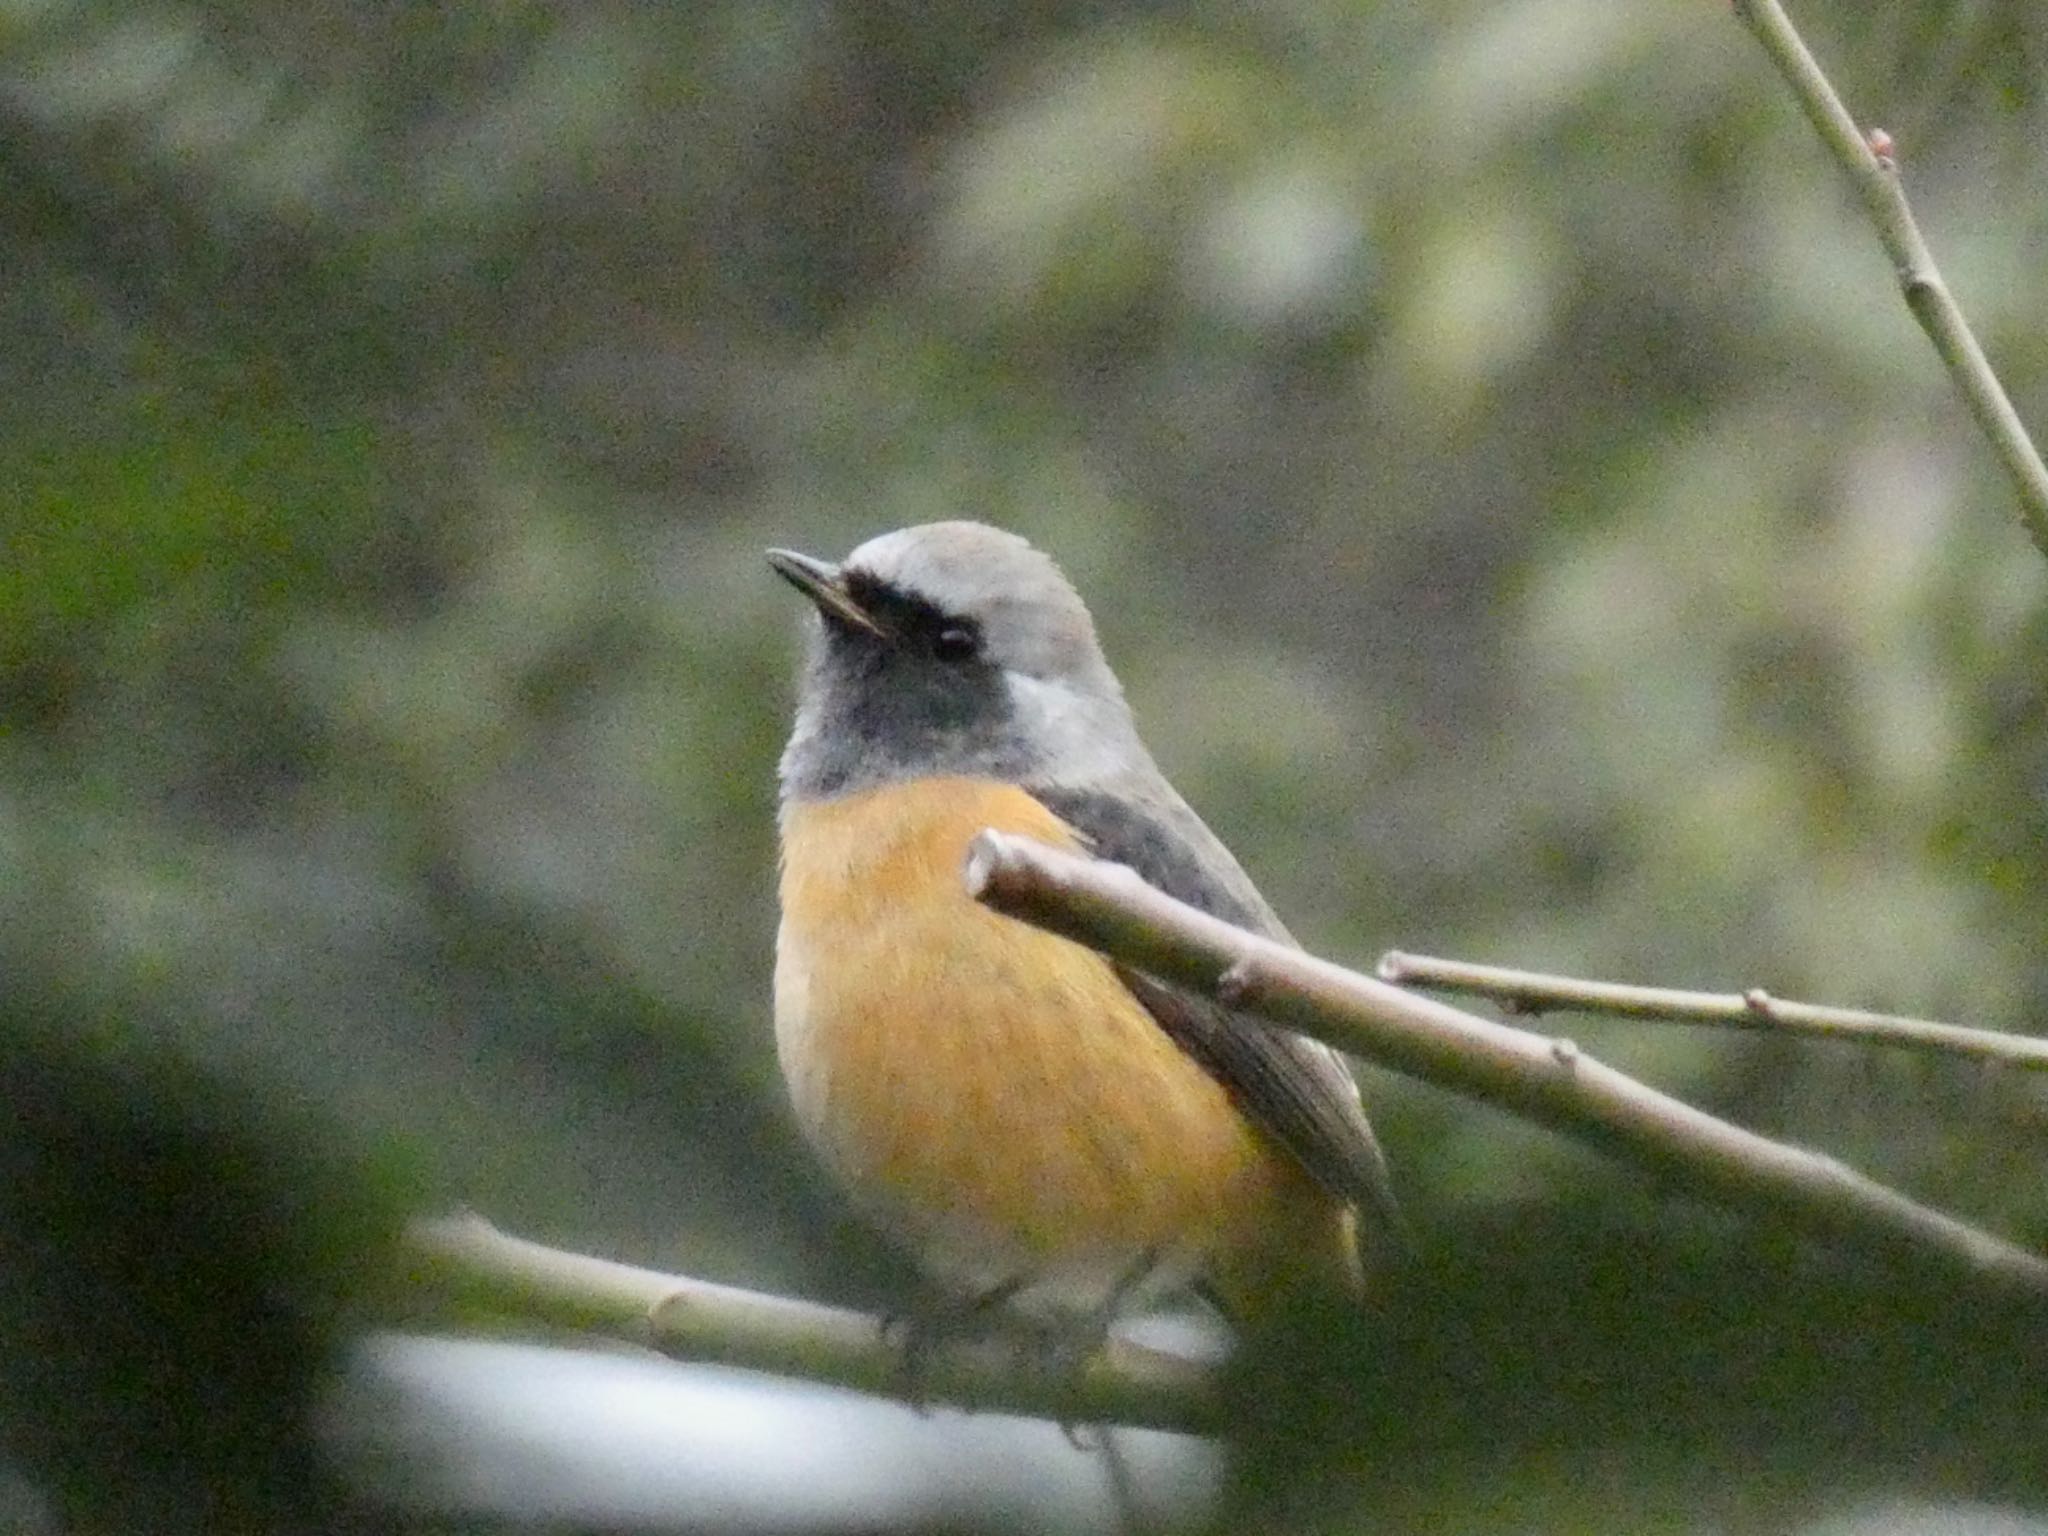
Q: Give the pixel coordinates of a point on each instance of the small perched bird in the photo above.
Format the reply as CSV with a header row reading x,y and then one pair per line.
x,y
1035,1123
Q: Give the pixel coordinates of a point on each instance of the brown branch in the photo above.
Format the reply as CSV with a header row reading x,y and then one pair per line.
x,y
1535,992
1107,907
1873,169
689,1319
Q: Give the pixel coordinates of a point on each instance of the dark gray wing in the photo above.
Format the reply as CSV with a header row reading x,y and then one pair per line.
x,y
1298,1090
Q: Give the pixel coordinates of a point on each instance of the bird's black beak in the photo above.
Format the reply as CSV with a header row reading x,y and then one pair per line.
x,y
824,584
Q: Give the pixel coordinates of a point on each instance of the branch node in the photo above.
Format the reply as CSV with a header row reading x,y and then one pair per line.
x,y
1870,159
664,1313
1565,1052
1239,982
983,855
1759,1002
1393,968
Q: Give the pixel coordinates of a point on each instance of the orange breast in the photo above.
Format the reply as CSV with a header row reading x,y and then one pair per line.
x,y
989,1090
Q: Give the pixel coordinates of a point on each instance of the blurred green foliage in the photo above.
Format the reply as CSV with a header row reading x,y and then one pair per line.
x,y
1527,522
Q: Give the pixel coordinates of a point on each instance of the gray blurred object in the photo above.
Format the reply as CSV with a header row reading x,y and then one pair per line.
x,y
614,1441
1907,1518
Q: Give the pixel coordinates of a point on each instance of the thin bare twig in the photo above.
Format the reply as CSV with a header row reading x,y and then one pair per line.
x,y
1107,907
689,1319
1536,992
1873,169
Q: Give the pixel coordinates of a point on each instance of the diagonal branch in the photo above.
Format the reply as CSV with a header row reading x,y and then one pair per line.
x,y
689,1319
1108,907
1874,172
1535,992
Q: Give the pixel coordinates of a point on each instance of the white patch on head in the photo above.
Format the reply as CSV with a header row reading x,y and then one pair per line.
x,y
1085,739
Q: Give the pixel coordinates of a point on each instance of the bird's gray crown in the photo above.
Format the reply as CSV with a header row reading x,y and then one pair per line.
x,y
1035,702
1032,619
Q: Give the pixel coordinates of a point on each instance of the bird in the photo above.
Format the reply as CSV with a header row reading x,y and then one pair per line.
x,y
1041,1129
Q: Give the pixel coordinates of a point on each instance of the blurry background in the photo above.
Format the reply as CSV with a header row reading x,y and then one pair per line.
x,y
1526,520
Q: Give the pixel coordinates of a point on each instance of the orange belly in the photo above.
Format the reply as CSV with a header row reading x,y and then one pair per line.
x,y
993,1093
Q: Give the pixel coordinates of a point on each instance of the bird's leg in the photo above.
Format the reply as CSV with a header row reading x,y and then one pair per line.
x,y
1071,1342
1067,1346
1206,1289
935,1318
1060,1347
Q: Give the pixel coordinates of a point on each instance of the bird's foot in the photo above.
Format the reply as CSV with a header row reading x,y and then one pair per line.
x,y
935,1321
1057,1347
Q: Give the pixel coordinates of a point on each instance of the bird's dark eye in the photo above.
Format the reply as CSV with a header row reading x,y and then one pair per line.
x,y
956,643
